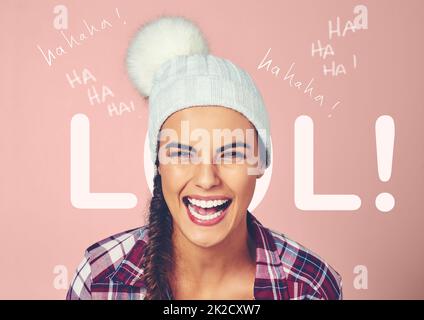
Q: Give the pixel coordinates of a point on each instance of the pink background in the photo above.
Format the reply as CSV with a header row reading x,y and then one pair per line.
x,y
41,230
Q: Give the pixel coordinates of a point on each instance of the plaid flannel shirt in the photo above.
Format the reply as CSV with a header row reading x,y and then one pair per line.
x,y
285,270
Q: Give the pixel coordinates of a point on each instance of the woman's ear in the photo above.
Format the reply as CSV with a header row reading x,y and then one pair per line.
x,y
260,172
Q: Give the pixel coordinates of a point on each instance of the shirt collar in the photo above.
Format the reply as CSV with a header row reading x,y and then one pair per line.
x,y
270,279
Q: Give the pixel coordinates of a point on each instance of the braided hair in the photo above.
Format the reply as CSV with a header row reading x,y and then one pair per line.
x,y
158,255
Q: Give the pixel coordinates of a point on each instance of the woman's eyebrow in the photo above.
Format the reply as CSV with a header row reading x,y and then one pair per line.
x,y
220,149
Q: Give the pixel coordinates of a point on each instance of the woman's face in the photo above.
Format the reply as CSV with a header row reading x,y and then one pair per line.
x,y
190,171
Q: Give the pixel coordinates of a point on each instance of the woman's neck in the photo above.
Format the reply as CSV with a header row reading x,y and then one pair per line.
x,y
208,267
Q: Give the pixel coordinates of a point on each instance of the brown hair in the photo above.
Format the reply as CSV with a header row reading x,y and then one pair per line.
x,y
158,254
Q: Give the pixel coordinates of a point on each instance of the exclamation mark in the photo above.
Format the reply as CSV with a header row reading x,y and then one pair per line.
x,y
119,16
385,138
333,107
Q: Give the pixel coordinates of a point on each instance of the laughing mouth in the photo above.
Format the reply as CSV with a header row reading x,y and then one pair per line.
x,y
206,211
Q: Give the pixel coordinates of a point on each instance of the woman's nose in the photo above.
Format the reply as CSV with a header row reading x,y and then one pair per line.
x,y
206,175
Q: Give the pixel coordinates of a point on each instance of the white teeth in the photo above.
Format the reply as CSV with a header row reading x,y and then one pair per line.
x,y
203,217
207,204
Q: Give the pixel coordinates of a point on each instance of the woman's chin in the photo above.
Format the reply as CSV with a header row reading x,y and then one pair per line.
x,y
207,237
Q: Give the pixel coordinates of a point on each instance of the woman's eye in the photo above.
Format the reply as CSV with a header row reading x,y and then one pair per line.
x,y
180,153
234,154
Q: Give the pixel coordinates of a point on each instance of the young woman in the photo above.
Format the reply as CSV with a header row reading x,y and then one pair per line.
x,y
209,140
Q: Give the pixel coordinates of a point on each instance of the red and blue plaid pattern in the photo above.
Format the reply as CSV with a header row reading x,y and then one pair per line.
x,y
285,270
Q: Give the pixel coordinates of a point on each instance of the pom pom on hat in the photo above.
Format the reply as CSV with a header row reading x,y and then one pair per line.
x,y
158,41
168,61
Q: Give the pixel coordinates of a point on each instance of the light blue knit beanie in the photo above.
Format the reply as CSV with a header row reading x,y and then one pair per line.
x,y
168,61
